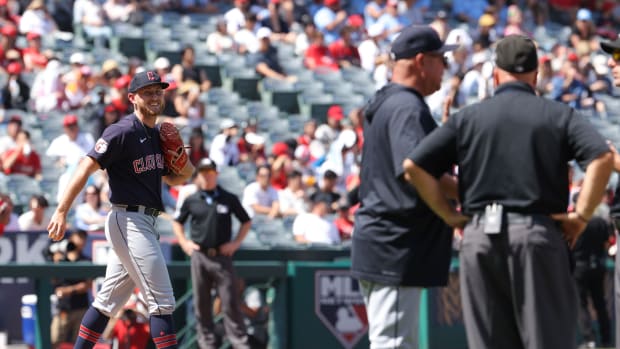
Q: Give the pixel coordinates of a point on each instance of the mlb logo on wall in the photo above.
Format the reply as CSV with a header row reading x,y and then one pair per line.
x,y
339,303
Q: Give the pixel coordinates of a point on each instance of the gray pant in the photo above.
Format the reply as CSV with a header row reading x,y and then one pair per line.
x,y
218,271
137,261
516,287
393,315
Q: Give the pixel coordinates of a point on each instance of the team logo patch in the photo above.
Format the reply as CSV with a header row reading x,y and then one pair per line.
x,y
339,304
101,146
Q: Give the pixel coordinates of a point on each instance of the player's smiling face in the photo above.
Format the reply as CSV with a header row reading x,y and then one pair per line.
x,y
149,101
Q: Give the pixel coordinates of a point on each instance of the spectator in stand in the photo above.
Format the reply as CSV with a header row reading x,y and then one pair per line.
x,y
70,147
391,22
7,42
36,218
6,213
251,145
48,91
317,55
109,117
411,13
600,81
335,115
220,40
197,6
259,197
8,141
90,15
119,10
235,17
440,24
91,214
187,103
344,50
6,16
369,50
372,11
281,165
293,198
77,92
267,62
313,227
515,22
280,18
197,150
36,18
341,158
486,34
326,192
162,67
569,87
356,118
308,133
545,74
246,39
330,19
583,37
224,150
344,220
34,59
302,41
170,95
187,70
16,92
121,102
469,11
22,159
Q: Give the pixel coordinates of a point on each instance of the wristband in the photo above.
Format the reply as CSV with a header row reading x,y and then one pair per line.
x,y
581,218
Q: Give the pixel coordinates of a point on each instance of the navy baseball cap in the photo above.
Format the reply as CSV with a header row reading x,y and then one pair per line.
x,y
416,39
144,79
611,46
516,54
206,164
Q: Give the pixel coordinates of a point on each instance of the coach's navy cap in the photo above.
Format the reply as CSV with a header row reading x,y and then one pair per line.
x,y
516,54
416,39
144,79
611,46
206,164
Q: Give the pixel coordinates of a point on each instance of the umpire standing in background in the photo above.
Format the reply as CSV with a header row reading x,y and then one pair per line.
x,y
613,48
211,247
513,151
399,244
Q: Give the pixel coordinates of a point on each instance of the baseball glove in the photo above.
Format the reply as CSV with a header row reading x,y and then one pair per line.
x,y
172,146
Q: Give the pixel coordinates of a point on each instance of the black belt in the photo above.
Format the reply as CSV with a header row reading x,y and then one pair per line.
x,y
149,211
209,251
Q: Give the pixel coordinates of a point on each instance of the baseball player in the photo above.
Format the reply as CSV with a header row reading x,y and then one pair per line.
x,y
135,153
613,48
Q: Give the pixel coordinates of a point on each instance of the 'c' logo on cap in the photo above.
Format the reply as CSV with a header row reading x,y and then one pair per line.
x,y
150,75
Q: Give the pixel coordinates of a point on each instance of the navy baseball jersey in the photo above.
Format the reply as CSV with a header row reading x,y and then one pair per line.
x,y
131,154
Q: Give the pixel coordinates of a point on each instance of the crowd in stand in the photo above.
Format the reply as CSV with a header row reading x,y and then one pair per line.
x,y
307,181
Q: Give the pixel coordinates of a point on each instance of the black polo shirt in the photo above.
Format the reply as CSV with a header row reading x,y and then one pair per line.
x,y
397,239
211,221
513,149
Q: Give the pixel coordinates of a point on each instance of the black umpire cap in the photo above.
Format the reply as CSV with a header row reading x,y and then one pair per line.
x,y
416,39
144,79
516,54
611,46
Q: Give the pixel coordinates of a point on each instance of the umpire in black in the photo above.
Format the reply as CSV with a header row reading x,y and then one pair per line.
x,y
513,151
211,249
